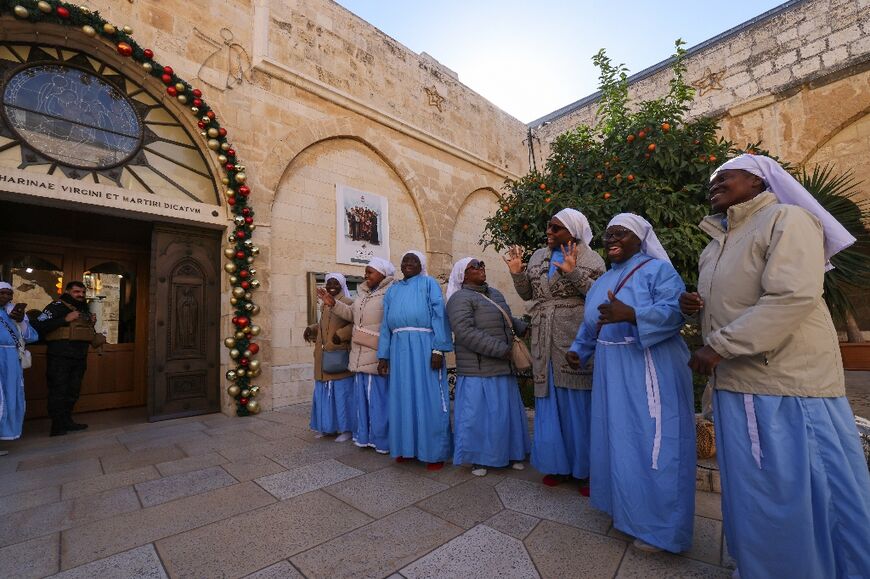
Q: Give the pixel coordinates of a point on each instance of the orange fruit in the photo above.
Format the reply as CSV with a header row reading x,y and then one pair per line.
x,y
546,199
505,208
630,138
525,226
651,148
599,176
712,158
630,177
607,195
543,186
641,135
666,127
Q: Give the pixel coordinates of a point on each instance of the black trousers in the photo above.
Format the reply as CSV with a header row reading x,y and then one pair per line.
x,y
64,377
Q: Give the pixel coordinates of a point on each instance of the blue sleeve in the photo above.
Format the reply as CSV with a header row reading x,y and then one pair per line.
x,y
660,318
386,334
440,324
27,332
585,342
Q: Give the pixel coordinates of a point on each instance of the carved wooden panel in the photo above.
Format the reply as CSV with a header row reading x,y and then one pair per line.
x,y
184,386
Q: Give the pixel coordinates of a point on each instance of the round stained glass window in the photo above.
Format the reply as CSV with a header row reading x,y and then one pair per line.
x,y
72,116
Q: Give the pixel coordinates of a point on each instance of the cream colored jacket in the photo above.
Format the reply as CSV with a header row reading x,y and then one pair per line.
x,y
367,311
761,282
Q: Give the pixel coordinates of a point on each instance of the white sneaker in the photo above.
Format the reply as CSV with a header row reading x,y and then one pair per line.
x,y
645,547
4,452
319,435
518,466
343,437
479,471
379,451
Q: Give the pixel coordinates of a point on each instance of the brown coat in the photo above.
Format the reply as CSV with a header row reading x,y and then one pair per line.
x,y
330,325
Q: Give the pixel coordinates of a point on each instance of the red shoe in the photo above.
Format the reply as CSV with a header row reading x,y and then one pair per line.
x,y
435,466
402,459
552,480
584,490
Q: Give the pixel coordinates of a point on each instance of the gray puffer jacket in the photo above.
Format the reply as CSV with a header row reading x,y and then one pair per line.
x,y
481,335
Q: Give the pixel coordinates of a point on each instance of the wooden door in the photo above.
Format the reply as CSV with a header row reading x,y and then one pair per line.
x,y
184,332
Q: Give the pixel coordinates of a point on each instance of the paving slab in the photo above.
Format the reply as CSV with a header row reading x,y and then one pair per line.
x,y
297,457
560,505
28,480
379,548
66,456
639,565
141,563
562,551
512,523
465,505
270,534
99,484
162,490
35,558
727,560
253,467
385,491
220,442
367,459
449,475
157,431
264,448
708,505
108,537
131,460
28,499
480,552
280,570
308,478
191,463
706,541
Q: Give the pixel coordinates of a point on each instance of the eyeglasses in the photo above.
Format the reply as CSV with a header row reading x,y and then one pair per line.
x,y
555,227
475,264
615,234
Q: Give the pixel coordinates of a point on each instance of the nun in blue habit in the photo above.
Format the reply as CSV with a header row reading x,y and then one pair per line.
x,y
15,331
414,337
643,457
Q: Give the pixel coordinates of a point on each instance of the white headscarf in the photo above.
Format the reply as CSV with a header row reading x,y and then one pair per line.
x,y
382,265
789,191
576,223
457,276
341,280
4,285
422,257
649,242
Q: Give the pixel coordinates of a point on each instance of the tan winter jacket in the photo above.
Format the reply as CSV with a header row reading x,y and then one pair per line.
x,y
761,282
330,325
366,311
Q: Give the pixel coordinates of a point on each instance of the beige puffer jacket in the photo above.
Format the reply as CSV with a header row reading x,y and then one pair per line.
x,y
761,282
367,311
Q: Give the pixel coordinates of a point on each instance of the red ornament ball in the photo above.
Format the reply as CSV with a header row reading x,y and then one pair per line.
x,y
249,220
244,273
200,124
231,200
244,191
243,401
171,90
240,234
246,211
197,102
210,114
231,152
244,362
253,348
197,93
242,321
148,53
168,70
245,284
62,12
222,132
166,78
230,167
240,254
125,49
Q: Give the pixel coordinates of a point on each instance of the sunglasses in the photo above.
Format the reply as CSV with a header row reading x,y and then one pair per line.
x,y
615,234
555,228
475,264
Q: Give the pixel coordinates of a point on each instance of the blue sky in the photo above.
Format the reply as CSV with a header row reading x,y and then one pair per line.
x,y
533,57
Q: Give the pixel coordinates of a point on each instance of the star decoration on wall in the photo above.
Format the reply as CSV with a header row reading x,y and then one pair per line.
x,y
435,99
709,82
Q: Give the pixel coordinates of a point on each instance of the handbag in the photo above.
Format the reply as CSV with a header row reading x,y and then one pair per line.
x,y
706,437
365,338
335,362
26,359
521,359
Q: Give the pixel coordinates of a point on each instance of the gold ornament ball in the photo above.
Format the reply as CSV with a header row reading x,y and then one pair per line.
x,y
254,390
89,30
253,406
234,353
146,65
245,393
241,177
20,11
225,146
231,193
255,330
230,267
179,86
109,29
250,259
85,9
252,271
205,119
248,296
238,292
43,6
254,373
229,252
255,283
214,144
234,301
127,30
247,354
234,391
231,238
252,227
255,250
213,133
241,372
222,159
234,280
232,375
239,220
255,310
240,335
230,343
246,331
254,365
249,306
225,180
182,99
249,243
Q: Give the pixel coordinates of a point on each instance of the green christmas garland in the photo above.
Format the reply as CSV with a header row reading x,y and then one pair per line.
x,y
241,251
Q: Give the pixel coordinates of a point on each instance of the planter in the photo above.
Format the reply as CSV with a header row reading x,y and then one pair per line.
x,y
856,356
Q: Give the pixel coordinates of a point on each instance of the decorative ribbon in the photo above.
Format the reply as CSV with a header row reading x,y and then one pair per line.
x,y
752,427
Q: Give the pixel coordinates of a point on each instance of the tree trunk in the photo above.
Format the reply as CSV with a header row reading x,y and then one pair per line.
x,y
853,332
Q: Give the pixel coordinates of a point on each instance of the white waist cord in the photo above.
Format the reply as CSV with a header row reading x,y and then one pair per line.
x,y
752,427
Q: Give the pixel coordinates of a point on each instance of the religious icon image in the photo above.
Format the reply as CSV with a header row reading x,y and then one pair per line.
x,y
362,226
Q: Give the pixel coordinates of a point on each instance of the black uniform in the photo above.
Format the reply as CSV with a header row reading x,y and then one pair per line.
x,y
67,359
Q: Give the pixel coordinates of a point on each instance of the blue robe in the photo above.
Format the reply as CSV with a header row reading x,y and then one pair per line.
x,y
641,473
414,324
12,376
371,399
562,421
332,406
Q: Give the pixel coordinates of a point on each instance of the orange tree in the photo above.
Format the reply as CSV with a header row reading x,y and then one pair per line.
x,y
647,159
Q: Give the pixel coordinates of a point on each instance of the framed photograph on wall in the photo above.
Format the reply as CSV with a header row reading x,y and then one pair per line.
x,y
362,226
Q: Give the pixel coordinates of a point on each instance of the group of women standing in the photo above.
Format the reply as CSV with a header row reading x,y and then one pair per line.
x,y
613,382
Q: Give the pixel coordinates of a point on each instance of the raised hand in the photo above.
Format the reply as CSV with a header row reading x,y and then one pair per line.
x,y
514,259
615,311
325,297
570,252
691,303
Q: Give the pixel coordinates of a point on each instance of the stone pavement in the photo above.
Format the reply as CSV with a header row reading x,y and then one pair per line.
x,y
858,392
215,496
